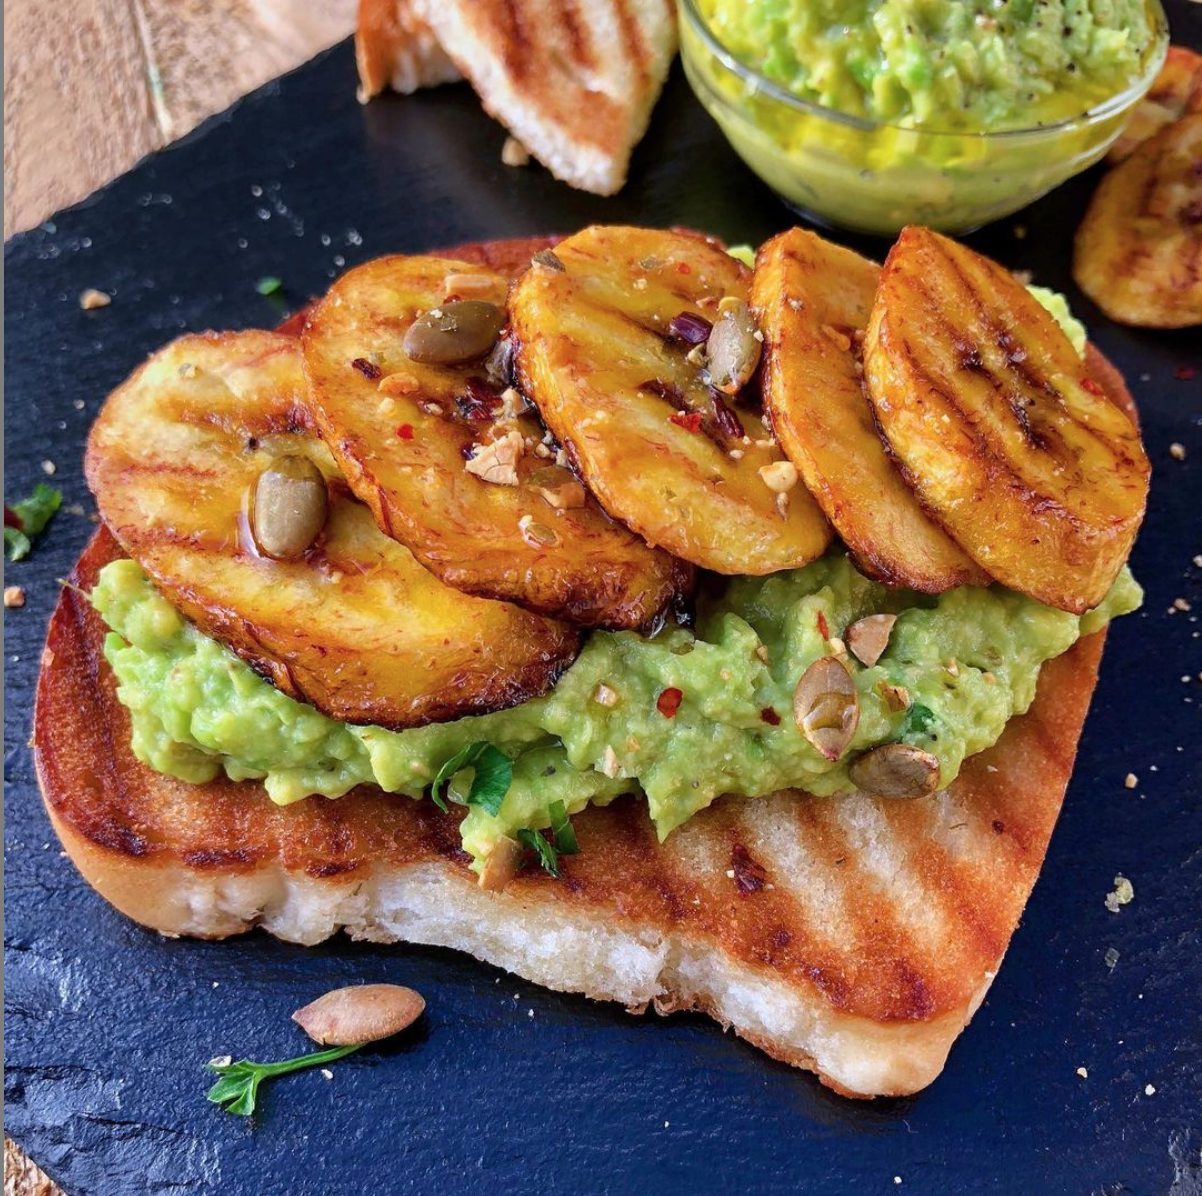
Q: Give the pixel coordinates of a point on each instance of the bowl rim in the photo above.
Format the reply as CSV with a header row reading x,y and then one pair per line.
x,y
1116,103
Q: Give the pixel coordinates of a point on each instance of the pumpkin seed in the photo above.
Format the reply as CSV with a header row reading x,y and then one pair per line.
x,y
455,332
896,770
289,508
826,706
358,1014
733,347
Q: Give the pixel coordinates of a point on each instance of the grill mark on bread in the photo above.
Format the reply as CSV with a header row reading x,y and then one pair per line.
x,y
576,32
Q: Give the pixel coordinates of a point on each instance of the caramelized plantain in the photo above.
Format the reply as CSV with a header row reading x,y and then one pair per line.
x,y
813,300
1138,252
450,459
1005,438
353,625
610,349
1176,92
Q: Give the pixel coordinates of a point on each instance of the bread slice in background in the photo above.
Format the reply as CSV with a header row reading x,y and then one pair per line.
x,y
852,936
395,47
574,83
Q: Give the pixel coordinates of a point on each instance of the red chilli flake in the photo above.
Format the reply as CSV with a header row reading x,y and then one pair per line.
x,y
683,268
405,431
368,369
1090,385
770,716
823,627
690,421
750,876
1184,373
668,702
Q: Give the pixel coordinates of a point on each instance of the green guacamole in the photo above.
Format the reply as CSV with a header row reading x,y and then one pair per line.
x,y
942,64
968,661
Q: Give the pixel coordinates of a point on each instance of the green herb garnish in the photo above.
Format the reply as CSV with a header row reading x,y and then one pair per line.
x,y
31,517
562,841
919,723
238,1087
492,774
268,285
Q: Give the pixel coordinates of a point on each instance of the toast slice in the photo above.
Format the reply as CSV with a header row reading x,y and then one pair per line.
x,y
575,84
395,47
851,936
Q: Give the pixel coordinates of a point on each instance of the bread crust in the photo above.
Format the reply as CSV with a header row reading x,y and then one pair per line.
x,y
851,937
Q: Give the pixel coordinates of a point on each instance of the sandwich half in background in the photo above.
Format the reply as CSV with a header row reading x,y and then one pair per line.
x,y
532,553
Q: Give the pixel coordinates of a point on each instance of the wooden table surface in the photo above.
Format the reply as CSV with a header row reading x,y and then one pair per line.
x,y
93,86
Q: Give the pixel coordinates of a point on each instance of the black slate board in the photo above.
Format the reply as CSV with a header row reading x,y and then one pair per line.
x,y
503,1085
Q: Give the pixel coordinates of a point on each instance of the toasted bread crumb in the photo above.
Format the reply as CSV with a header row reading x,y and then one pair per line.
x,y
514,153
1122,894
14,596
91,299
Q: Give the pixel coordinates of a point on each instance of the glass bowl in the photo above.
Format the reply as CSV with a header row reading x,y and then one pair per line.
x,y
875,177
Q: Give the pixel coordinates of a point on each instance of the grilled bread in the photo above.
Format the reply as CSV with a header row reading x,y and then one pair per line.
x,y
1004,437
395,47
1138,252
575,84
851,936
813,300
354,625
603,352
456,466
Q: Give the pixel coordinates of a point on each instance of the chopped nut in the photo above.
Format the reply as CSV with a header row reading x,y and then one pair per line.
x,y
952,667
91,299
895,697
1130,781
14,596
496,462
472,286
604,696
386,406
1177,451
514,153
559,488
1083,1073
609,762
761,652
989,678
782,505
780,476
513,404
869,637
735,454
399,384
501,864
1123,893
49,468
186,370
548,260
360,1013
1181,604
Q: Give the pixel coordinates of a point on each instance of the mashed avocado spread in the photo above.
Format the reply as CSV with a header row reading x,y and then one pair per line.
x,y
967,661
942,64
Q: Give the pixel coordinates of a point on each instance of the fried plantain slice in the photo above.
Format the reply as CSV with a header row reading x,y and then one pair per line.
x,y
354,625
609,343
1176,92
1005,438
812,300
1138,252
453,462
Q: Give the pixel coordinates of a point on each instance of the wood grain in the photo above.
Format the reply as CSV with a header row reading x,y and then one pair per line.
x,y
87,95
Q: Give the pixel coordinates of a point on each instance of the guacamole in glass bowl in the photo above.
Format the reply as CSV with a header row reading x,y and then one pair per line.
x,y
874,114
